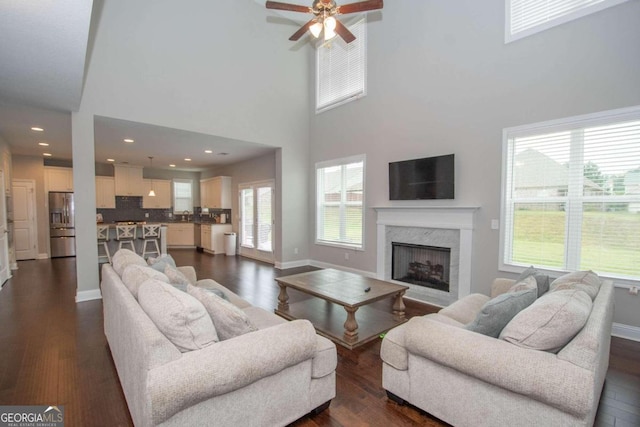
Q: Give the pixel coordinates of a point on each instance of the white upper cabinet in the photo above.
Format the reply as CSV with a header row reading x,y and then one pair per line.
x,y
129,180
215,193
105,192
58,179
162,199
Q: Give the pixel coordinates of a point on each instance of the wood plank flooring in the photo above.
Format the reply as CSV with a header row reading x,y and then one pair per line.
x,y
53,351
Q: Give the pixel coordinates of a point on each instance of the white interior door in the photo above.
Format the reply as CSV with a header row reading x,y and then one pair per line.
x,y
24,219
5,272
256,220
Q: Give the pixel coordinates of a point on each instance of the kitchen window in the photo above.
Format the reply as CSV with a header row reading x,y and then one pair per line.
x,y
182,195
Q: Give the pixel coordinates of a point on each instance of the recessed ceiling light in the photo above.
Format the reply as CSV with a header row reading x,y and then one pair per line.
x,y
37,129
172,166
208,151
187,160
44,144
128,140
47,154
111,160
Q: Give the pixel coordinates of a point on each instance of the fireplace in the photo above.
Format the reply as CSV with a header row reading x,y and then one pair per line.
x,y
421,265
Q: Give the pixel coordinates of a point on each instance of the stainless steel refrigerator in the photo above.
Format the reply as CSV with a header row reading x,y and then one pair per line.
x,y
62,225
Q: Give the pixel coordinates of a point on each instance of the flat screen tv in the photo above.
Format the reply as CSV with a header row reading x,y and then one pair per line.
x,y
422,179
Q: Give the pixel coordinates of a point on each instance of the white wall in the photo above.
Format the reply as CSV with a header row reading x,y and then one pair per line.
x,y
218,68
441,80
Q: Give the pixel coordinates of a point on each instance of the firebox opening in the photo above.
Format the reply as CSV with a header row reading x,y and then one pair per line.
x,y
421,265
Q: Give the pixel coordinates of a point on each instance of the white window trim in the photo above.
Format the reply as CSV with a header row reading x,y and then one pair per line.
x,y
550,126
338,162
173,195
349,98
588,10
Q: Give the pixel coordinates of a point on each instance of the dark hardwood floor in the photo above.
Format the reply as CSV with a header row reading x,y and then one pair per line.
x,y
53,351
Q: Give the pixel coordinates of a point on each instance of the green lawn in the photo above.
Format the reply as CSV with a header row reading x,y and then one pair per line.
x,y
610,240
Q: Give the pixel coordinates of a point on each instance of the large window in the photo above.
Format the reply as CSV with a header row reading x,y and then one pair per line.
x,y
340,202
182,195
571,194
341,69
527,17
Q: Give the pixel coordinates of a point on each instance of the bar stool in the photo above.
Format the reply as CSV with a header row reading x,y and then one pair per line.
x,y
150,234
103,238
126,234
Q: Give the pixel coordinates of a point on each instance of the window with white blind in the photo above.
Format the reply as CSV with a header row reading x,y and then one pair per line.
x,y
527,17
341,69
340,202
571,194
182,195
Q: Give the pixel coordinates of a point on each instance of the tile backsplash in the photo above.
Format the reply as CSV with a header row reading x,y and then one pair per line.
x,y
129,208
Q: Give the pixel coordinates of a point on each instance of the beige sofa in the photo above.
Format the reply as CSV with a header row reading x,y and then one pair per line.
x,y
469,379
269,377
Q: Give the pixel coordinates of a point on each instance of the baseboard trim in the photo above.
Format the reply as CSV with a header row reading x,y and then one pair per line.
x,y
83,296
291,264
627,332
343,268
42,256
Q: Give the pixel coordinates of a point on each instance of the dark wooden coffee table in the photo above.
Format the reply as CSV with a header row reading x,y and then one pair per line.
x,y
348,290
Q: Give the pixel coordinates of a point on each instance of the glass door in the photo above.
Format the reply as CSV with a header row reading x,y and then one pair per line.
x,y
256,220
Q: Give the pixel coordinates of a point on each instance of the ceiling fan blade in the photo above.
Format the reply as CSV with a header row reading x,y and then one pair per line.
x,y
362,6
296,36
287,6
344,32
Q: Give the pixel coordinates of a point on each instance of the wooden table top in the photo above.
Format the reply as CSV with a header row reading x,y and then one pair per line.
x,y
341,287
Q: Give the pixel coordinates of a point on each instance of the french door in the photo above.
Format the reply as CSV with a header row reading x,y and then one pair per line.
x,y
256,220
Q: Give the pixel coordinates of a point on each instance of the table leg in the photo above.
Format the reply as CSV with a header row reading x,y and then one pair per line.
x,y
351,325
283,298
398,306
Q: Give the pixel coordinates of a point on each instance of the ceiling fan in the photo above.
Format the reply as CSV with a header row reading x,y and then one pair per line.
x,y
324,20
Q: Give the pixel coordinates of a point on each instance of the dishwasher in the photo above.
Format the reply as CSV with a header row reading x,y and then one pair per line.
x,y
197,236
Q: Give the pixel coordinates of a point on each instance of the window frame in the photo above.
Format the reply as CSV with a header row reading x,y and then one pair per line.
x,y
351,97
558,125
562,19
173,194
333,163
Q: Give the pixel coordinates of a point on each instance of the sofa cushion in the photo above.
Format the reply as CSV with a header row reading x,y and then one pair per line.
x,y
586,281
525,284
158,263
465,309
497,312
229,320
542,280
178,315
175,276
125,257
135,275
550,322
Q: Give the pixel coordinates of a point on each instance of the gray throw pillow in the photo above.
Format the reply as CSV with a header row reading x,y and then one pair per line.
x,y
229,320
499,311
161,262
541,279
175,276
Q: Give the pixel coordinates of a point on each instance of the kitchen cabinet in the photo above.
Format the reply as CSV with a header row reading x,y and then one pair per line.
x,y
128,180
105,192
213,237
215,193
179,234
162,199
58,179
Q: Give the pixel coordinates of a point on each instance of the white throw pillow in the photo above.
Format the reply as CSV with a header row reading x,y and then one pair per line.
x,y
587,281
229,320
179,316
550,322
125,257
135,275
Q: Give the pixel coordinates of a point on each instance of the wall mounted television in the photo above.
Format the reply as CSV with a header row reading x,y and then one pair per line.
x,y
422,179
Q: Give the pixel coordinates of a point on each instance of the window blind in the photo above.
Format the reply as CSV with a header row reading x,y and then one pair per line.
x,y
182,197
526,17
572,196
340,197
341,69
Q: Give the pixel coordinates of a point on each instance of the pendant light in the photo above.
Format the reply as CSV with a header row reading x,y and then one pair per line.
x,y
151,192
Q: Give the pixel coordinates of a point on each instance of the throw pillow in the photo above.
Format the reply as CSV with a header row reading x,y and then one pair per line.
x,y
161,262
586,281
179,316
542,280
135,275
228,319
550,322
175,276
497,312
125,257
524,285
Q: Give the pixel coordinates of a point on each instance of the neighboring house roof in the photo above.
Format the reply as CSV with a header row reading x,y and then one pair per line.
x,y
632,182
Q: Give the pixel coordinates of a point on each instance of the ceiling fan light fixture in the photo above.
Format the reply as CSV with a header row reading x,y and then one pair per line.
x,y
316,29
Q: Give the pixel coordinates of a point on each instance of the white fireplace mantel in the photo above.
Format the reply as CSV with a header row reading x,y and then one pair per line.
x,y
435,217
